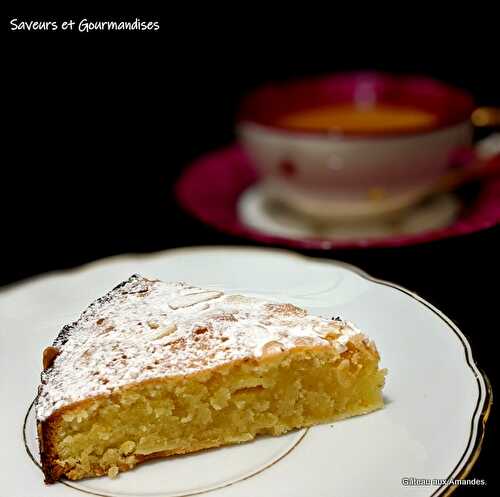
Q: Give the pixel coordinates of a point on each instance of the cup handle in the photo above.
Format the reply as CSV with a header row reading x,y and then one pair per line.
x,y
481,160
486,117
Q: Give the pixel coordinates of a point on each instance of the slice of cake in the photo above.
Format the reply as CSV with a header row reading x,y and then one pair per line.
x,y
154,369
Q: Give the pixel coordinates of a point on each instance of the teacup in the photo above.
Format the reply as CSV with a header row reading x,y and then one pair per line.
x,y
354,145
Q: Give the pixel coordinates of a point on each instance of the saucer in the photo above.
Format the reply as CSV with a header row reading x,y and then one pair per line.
x,y
221,189
273,218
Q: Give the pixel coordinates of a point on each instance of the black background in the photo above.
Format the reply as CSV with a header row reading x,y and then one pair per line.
x,y
98,127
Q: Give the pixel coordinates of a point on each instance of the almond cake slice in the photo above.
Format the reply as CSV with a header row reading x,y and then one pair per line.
x,y
154,369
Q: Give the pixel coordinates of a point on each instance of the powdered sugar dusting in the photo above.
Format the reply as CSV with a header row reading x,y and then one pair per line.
x,y
146,329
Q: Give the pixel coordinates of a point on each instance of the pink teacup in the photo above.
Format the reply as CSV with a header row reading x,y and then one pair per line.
x,y
345,174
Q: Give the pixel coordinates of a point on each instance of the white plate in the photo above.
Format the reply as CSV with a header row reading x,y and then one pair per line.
x,y
431,426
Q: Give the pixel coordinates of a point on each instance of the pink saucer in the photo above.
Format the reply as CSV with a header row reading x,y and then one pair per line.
x,y
212,187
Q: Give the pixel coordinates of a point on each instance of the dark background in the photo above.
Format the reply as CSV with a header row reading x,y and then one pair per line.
x,y
98,127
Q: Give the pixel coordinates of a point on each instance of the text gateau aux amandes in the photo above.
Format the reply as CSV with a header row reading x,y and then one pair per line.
x,y
83,25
